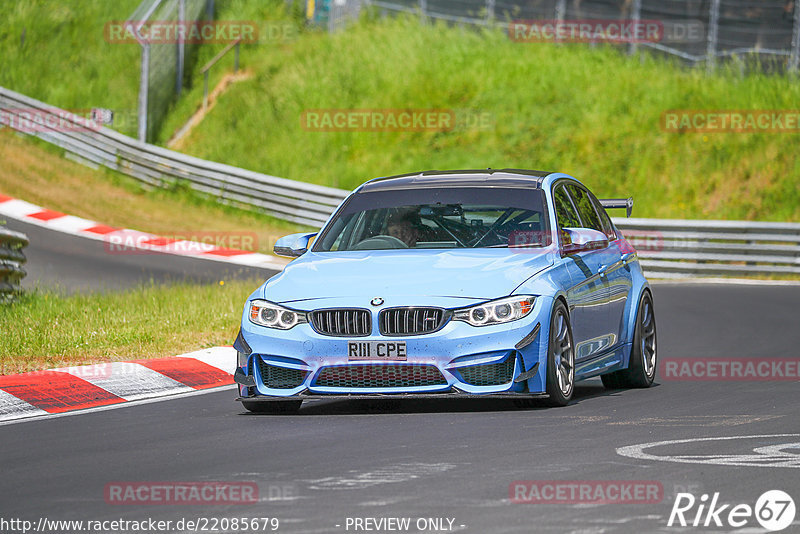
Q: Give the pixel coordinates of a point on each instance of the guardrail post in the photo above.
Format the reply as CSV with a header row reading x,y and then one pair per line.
x,y
561,10
143,88
423,8
236,57
206,69
181,47
636,10
794,59
713,27
205,90
11,260
751,242
489,12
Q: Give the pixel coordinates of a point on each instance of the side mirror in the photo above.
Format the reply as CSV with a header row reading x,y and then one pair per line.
x,y
582,239
293,245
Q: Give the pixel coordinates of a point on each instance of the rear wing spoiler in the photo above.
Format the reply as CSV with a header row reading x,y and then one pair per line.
x,y
618,203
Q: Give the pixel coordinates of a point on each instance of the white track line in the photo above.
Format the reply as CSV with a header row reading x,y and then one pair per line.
x,y
230,387
726,460
223,358
77,226
128,380
12,408
722,281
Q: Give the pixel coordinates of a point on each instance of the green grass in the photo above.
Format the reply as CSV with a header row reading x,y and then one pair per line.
x,y
56,52
266,13
35,171
593,113
43,330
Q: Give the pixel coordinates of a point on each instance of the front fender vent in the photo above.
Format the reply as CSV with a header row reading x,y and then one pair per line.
x,y
275,377
491,374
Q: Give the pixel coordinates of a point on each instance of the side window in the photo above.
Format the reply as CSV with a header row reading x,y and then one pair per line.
x,y
585,208
565,212
605,220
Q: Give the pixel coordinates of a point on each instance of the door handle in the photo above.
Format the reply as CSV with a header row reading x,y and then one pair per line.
x,y
628,257
602,270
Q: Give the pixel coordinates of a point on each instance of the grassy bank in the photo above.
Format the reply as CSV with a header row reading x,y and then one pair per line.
x,y
37,173
56,52
594,113
45,330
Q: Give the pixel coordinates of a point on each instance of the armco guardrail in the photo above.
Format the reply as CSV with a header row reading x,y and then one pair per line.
x,y
674,248
668,248
11,260
287,199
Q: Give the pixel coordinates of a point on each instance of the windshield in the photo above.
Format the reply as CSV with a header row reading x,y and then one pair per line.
x,y
438,218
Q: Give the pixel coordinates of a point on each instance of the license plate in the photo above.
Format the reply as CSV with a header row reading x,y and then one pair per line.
x,y
376,350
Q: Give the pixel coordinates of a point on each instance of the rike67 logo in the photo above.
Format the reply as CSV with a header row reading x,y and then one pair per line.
x,y
774,510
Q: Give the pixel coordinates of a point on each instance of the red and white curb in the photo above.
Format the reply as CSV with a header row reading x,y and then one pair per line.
x,y
131,239
57,391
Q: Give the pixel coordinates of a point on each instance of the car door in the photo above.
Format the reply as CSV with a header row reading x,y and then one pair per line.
x,y
588,292
618,273
606,263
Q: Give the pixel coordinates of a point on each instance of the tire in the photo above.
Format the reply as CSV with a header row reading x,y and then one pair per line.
x,y
560,358
272,407
641,370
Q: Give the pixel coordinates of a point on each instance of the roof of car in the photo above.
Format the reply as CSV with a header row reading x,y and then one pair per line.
x,y
461,178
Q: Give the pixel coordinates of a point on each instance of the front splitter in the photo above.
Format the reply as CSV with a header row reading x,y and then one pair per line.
x,y
397,396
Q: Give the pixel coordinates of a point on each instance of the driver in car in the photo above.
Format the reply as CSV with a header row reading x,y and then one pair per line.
x,y
403,225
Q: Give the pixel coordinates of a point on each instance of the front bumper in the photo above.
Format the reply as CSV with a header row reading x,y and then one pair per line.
x,y
459,360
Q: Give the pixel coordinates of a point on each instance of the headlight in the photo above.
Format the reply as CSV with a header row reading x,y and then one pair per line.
x,y
496,311
273,316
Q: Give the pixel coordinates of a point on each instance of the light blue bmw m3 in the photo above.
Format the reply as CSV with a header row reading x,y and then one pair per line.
x,y
503,283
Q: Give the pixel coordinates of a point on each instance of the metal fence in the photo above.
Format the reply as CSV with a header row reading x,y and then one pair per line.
x,y
290,200
697,31
667,248
341,13
674,248
163,64
11,260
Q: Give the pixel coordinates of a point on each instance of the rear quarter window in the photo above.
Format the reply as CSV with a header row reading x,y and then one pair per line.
x,y
588,214
605,220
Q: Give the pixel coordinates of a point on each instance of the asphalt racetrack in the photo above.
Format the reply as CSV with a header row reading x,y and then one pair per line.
x,y
449,463
72,263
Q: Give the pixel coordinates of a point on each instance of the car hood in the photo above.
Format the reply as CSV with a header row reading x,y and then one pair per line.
x,y
467,273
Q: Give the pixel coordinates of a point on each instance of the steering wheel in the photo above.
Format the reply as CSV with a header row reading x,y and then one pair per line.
x,y
380,242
